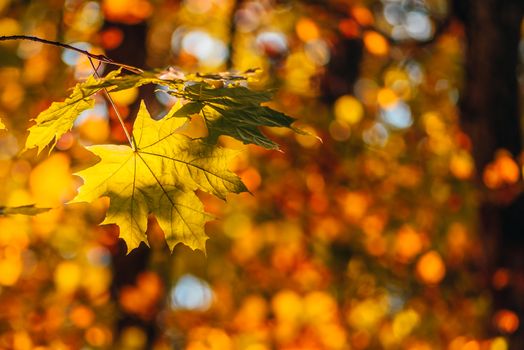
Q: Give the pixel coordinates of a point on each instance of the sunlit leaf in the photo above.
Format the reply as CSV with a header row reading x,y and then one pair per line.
x,y
159,176
58,119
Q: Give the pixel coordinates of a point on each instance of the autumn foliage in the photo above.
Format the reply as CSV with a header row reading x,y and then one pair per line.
x,y
340,211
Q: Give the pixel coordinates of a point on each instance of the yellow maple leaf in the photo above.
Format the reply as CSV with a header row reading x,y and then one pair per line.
x,y
59,118
159,175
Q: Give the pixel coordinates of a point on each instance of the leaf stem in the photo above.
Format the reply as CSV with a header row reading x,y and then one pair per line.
x,y
130,139
101,58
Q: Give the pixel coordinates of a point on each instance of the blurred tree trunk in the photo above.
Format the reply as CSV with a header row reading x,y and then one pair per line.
x,y
490,116
126,267
343,69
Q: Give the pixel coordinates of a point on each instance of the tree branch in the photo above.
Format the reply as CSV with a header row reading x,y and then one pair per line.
x,y
101,58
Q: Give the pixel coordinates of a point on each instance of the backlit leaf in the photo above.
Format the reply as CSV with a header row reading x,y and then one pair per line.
x,y
233,111
58,119
160,177
52,123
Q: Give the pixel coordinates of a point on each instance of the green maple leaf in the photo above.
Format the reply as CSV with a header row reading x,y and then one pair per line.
x,y
235,112
158,176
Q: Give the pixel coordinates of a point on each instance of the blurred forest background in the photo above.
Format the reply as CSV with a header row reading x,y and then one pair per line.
x,y
403,229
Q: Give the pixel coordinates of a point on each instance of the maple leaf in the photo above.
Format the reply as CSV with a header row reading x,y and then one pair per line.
x,y
235,112
159,176
59,118
2,125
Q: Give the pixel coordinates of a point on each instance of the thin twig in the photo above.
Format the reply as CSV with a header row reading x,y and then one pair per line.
x,y
101,58
119,117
